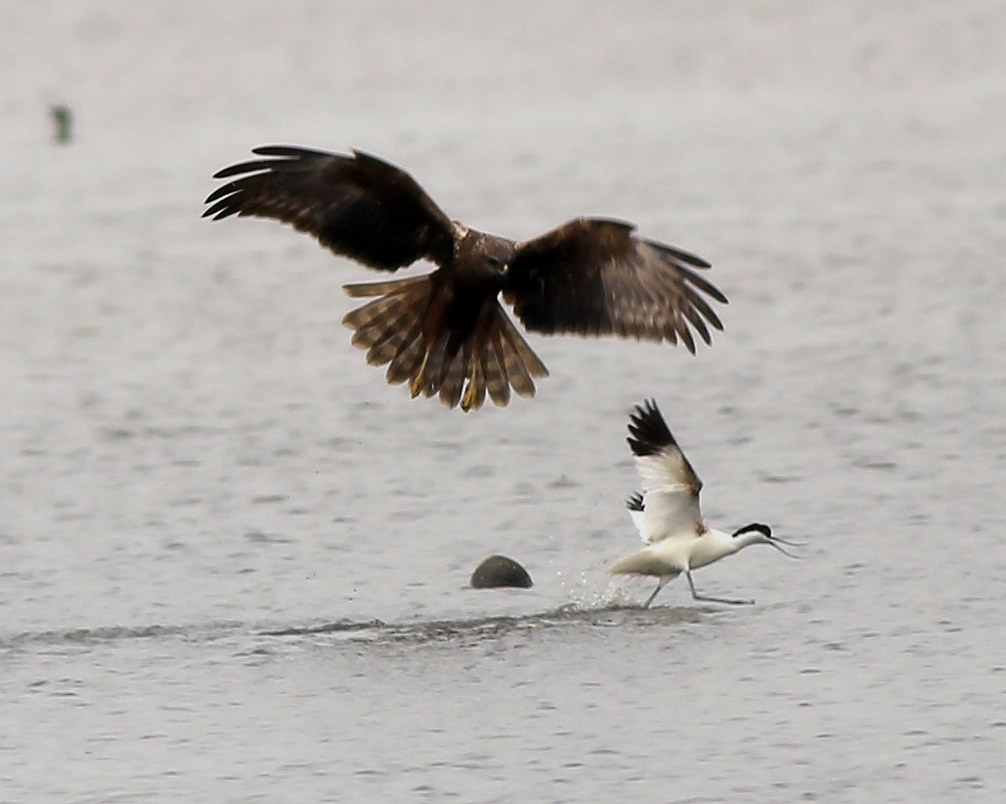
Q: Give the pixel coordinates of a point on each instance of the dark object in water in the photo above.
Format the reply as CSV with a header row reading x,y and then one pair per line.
x,y
63,118
500,571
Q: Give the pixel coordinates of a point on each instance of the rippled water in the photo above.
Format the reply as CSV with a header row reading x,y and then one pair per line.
x,y
234,563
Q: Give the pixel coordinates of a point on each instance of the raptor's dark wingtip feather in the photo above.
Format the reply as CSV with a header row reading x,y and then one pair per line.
x,y
290,151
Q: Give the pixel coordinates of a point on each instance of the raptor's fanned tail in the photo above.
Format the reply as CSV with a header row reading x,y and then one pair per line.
x,y
404,328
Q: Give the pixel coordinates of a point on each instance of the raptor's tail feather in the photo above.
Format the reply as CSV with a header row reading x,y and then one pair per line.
x,y
412,327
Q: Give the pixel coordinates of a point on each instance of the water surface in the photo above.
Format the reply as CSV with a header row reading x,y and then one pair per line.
x,y
235,563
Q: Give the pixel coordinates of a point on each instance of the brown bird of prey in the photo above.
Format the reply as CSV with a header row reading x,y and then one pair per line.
x,y
446,332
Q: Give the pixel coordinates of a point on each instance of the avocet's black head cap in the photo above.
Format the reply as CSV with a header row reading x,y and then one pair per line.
x,y
764,530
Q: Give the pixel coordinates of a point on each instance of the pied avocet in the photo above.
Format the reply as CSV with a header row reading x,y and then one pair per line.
x,y
668,516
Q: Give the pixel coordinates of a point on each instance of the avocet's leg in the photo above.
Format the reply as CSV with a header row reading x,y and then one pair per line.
x,y
697,596
660,585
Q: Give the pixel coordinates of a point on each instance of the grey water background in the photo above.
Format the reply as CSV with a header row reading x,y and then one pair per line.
x,y
234,563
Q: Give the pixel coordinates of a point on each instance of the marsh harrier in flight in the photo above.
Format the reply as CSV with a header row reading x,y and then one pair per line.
x,y
446,332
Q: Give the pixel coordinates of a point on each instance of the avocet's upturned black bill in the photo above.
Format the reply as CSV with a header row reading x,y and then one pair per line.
x,y
668,516
446,333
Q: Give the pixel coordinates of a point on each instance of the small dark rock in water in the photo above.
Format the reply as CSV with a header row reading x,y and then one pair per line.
x,y
63,118
497,571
